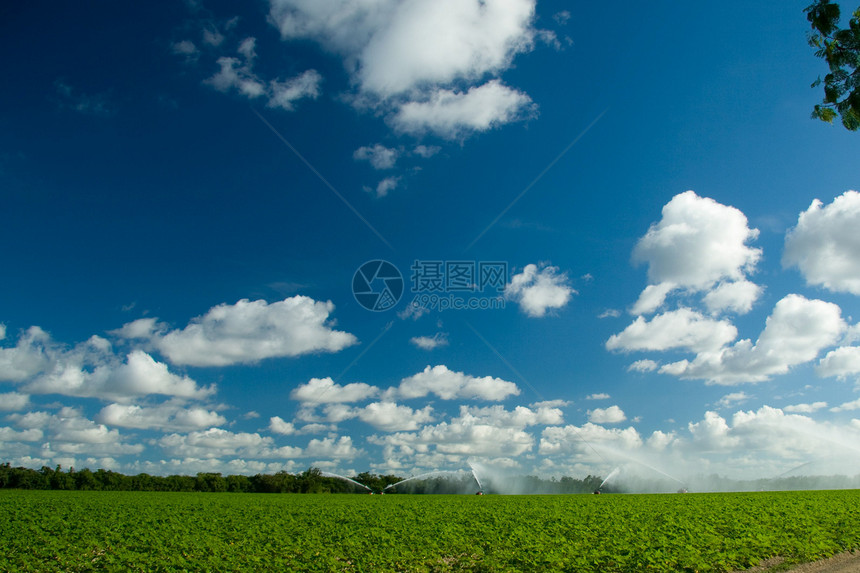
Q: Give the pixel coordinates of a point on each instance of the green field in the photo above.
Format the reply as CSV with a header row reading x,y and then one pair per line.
x,y
142,531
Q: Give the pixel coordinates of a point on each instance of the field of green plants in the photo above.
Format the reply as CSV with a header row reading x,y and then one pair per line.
x,y
145,531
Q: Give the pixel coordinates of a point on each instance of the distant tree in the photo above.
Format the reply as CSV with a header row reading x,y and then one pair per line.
x,y
238,483
840,48
85,480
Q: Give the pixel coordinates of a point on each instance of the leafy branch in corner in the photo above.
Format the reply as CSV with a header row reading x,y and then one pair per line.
x,y
840,48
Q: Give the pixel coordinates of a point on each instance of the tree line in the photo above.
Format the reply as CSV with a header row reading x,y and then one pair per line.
x,y
313,480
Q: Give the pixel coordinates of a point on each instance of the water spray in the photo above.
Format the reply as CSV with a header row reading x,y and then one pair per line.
x,y
478,481
418,477
350,480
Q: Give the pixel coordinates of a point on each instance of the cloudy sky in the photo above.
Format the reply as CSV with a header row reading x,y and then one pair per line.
x,y
617,239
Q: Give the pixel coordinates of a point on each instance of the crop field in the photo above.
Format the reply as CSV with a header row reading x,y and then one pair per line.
x,y
142,531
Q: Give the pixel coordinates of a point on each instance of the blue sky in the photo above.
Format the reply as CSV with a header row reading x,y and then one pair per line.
x,y
188,191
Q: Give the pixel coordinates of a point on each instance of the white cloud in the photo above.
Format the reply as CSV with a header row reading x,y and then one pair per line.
x,y
238,74
430,342
219,443
168,416
142,328
737,297
13,401
796,331
598,396
284,94
586,439
395,47
805,408
325,391
279,426
610,415
426,151
69,432
682,328
391,417
187,49
234,74
538,289
644,365
842,362
9,435
732,399
2,331
697,244
520,417
139,375
552,404
712,433
341,448
461,437
379,156
250,331
454,114
450,385
90,370
847,406
825,244
27,358
384,186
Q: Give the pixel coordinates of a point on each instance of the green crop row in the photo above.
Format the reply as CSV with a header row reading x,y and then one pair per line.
x,y
138,531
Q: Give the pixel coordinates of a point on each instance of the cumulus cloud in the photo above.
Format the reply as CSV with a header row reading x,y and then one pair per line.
x,y
538,289
237,74
391,417
379,156
805,408
450,385
430,342
325,391
697,245
285,94
466,436
598,396
732,399
520,417
683,328
142,328
842,362
383,187
13,401
279,426
139,375
610,415
70,432
250,331
396,47
737,297
90,369
219,443
404,57
29,356
644,365
173,416
452,114
585,439
340,448
825,244
796,331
